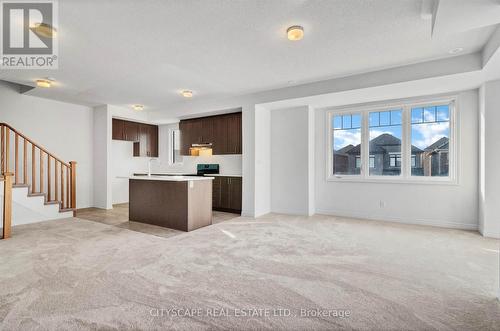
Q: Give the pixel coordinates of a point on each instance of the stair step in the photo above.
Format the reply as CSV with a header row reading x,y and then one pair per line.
x,y
63,210
52,202
20,185
36,194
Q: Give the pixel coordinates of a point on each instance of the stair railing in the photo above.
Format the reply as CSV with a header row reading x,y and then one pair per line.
x,y
34,167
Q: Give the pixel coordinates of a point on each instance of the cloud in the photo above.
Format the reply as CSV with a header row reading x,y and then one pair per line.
x,y
427,134
343,138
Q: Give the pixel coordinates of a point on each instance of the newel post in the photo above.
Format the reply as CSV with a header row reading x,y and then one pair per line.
x,y
7,205
73,186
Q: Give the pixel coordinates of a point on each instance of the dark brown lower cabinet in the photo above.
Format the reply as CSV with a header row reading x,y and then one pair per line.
x,y
227,194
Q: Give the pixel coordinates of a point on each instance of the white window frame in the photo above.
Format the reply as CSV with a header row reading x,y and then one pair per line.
x,y
406,105
170,148
371,157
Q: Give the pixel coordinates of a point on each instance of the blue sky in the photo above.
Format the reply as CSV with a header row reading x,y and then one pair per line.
x,y
423,132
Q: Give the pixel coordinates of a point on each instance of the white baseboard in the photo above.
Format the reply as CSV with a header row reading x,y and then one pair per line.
x,y
437,223
490,234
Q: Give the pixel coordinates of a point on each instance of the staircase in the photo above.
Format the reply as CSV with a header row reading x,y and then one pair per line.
x,y
35,185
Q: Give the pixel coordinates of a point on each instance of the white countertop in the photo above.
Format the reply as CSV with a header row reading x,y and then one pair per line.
x,y
224,175
171,178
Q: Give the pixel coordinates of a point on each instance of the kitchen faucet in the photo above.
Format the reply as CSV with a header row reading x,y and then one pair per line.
x,y
149,166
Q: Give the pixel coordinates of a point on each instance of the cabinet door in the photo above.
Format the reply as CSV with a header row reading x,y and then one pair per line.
x,y
219,142
185,137
143,139
234,134
207,130
216,192
118,129
225,198
191,133
152,141
197,131
131,131
235,196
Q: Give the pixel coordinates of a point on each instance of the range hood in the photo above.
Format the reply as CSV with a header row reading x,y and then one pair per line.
x,y
204,149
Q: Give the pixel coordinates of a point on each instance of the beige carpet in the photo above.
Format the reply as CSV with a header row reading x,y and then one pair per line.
x,y
77,274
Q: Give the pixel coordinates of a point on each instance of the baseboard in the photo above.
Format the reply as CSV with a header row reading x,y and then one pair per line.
x,y
436,223
490,234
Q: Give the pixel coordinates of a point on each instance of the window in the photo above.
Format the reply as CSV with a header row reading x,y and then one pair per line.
x,y
430,139
346,144
358,162
385,142
175,147
403,141
395,161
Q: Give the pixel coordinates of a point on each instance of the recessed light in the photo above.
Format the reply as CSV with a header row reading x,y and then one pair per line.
x,y
44,30
187,94
138,107
456,50
295,33
46,83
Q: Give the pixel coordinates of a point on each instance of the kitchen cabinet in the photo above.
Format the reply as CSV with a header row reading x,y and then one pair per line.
x,y
223,131
144,136
118,129
130,131
227,194
148,141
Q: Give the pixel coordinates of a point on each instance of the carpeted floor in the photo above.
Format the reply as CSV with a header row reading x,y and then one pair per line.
x,y
78,274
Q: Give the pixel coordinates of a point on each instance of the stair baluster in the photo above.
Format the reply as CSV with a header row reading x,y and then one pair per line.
x,y
64,180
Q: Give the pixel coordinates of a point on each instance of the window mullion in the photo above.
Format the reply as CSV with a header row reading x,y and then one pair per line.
x,y
406,143
365,138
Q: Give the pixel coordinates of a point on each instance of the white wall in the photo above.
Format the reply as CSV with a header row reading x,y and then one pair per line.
x,y
64,129
291,160
262,157
124,164
441,205
489,188
102,158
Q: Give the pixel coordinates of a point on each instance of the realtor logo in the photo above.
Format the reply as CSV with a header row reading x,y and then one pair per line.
x,y
28,36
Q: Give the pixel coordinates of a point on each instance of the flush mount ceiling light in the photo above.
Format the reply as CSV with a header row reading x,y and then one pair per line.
x,y
456,50
46,83
295,33
187,94
138,107
44,30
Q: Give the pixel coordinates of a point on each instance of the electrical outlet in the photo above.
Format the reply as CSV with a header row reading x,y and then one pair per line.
x,y
382,204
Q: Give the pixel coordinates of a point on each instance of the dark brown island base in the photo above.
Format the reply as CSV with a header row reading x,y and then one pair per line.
x,y
176,202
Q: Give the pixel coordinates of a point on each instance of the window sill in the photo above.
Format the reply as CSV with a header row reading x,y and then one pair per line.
x,y
379,180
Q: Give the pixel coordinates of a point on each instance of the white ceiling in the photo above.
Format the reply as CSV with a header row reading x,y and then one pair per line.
x,y
127,52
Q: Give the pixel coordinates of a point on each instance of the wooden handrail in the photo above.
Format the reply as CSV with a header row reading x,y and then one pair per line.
x,y
33,143
57,184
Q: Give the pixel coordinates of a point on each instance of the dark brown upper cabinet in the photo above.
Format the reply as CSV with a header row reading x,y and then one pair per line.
x,y
223,131
118,129
144,136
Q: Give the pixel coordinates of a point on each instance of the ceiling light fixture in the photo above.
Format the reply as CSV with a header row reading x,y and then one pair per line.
x,y
46,83
187,94
295,33
43,29
456,50
138,107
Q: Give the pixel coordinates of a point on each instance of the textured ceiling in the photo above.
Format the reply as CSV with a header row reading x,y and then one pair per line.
x,y
127,52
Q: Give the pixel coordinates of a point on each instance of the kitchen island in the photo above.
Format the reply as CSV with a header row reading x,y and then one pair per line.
x,y
176,202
